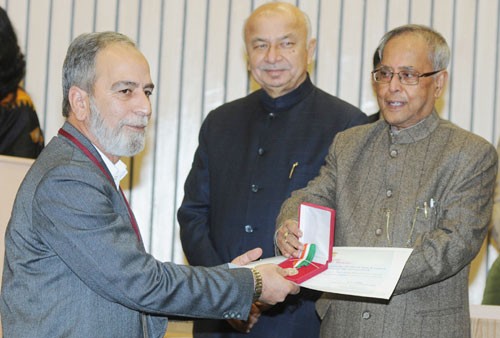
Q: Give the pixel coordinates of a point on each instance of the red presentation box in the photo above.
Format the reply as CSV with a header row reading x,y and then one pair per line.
x,y
318,226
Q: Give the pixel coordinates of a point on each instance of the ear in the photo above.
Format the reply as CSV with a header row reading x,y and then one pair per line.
x,y
311,48
79,102
441,80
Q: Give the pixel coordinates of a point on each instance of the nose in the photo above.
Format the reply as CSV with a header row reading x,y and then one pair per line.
x,y
143,105
395,83
273,54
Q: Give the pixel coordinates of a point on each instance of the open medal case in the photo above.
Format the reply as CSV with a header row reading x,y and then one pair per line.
x,y
317,224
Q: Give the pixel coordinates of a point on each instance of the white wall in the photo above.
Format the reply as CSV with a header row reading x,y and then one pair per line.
x,y
197,62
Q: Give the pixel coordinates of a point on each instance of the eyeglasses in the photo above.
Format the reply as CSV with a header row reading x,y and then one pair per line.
x,y
406,77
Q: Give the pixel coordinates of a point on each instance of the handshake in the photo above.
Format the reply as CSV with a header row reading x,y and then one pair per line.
x,y
275,287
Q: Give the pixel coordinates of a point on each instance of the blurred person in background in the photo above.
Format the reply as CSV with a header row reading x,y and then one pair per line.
x,y
20,133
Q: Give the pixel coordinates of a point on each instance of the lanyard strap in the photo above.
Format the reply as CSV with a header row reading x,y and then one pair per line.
x,y
87,153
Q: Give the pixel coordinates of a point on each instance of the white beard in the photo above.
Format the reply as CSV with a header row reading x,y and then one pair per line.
x,y
117,141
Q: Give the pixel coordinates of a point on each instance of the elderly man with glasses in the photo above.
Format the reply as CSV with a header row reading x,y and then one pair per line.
x,y
410,180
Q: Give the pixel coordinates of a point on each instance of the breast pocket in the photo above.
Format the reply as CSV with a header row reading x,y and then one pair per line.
x,y
424,219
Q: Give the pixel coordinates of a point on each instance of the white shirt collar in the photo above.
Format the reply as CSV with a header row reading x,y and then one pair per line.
x,y
118,170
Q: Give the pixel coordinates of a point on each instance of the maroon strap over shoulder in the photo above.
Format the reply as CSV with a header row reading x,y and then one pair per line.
x,y
91,157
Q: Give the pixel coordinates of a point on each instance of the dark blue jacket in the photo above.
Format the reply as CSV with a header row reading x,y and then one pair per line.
x,y
252,153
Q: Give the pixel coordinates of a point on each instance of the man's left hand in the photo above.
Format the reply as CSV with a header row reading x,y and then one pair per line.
x,y
246,325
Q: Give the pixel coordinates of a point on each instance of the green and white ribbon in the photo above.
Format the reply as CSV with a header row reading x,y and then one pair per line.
x,y
306,256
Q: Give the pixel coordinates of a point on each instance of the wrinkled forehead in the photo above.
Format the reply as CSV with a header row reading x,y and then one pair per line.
x,y
122,62
408,50
275,21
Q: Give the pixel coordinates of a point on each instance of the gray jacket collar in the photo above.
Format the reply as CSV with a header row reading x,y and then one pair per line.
x,y
417,132
68,127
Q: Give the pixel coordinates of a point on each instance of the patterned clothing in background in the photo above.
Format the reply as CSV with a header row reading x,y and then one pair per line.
x,y
20,133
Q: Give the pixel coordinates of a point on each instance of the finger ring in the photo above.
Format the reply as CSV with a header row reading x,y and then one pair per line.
x,y
285,235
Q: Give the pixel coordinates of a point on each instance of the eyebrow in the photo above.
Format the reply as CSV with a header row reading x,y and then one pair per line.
x,y
399,68
133,84
284,37
259,40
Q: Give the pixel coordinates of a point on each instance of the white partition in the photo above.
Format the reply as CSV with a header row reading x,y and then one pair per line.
x,y
12,172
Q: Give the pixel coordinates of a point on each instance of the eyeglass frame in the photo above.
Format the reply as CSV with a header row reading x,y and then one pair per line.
x,y
418,76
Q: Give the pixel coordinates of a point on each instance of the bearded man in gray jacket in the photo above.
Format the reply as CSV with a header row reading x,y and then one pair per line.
x,y
75,264
410,180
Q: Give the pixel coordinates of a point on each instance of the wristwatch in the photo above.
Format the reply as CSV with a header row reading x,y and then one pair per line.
x,y
257,282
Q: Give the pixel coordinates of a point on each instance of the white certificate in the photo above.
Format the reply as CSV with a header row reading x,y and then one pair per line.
x,y
358,271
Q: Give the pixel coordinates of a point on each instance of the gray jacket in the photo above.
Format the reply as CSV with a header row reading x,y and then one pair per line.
x,y
428,187
74,266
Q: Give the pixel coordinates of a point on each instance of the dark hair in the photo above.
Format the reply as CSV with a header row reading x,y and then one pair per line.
x,y
12,63
376,59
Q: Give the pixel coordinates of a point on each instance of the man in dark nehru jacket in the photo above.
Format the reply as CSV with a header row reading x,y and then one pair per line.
x,y
252,153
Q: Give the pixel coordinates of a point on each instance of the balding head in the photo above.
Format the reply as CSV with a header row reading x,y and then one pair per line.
x,y
271,8
276,39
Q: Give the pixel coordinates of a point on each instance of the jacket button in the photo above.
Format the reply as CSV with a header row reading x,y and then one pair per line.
x,y
394,153
260,151
366,315
255,188
378,232
271,116
248,228
388,193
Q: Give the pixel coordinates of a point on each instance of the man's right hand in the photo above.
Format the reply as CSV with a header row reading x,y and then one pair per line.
x,y
287,239
275,287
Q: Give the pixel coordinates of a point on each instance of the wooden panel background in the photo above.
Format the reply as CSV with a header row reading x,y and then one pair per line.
x,y
197,60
